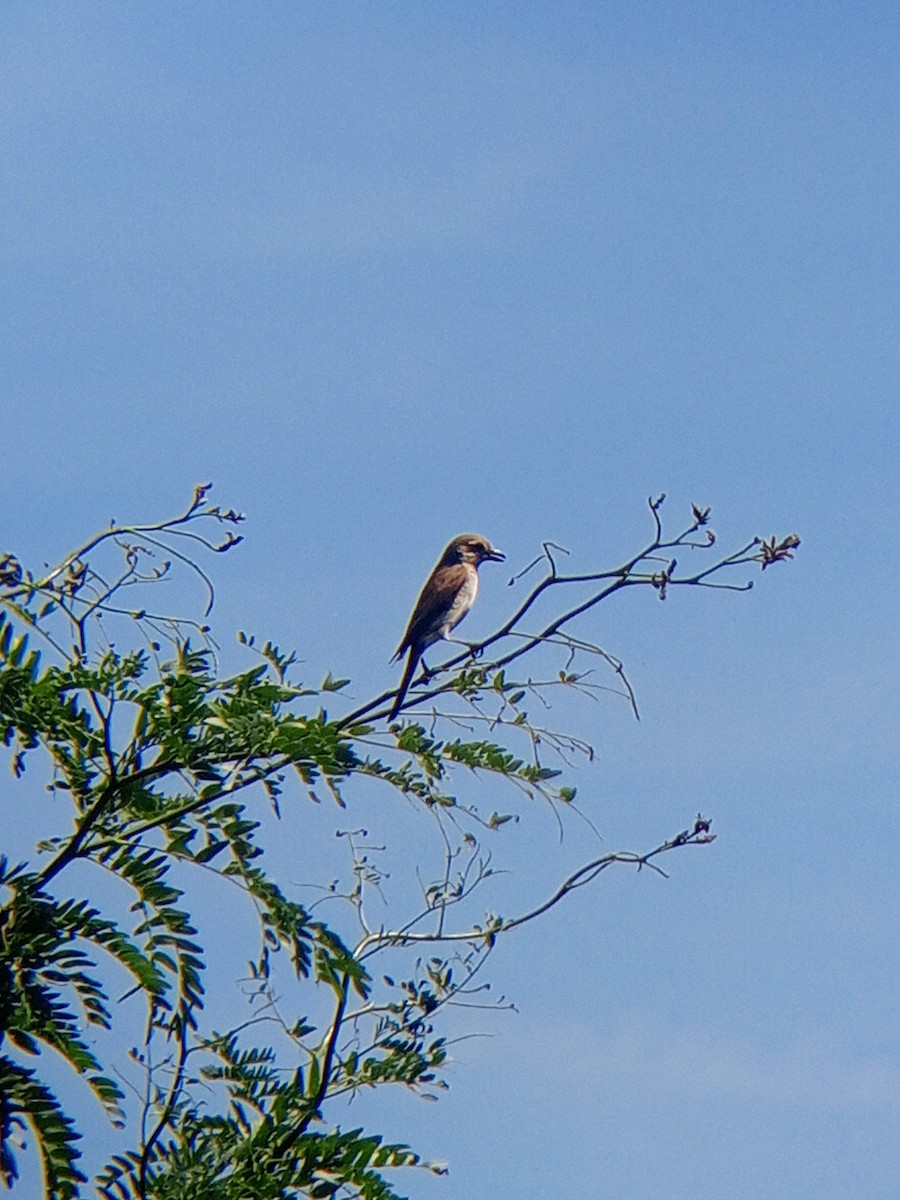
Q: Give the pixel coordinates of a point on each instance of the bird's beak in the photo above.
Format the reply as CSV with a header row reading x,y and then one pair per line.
x,y
494,555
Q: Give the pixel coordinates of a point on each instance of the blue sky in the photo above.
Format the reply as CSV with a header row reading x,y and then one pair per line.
x,y
387,272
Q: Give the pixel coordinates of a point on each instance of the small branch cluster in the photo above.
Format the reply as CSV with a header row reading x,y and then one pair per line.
x,y
513,640
81,590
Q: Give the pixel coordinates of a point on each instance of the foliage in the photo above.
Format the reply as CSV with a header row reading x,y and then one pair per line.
x,y
170,772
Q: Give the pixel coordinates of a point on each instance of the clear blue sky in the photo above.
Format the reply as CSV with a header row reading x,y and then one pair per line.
x,y
389,271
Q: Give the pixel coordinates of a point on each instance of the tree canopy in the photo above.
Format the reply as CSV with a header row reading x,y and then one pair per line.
x,y
172,773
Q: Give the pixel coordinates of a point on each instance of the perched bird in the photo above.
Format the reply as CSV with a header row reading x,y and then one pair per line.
x,y
445,599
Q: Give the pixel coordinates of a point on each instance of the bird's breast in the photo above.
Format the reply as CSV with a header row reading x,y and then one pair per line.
x,y
463,600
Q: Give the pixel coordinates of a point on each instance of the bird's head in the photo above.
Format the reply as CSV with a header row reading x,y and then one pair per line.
x,y
471,548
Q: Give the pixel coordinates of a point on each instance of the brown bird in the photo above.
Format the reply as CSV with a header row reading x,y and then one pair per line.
x,y
445,599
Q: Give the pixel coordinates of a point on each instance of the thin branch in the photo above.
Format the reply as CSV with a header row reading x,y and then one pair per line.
x,y
699,835
73,847
167,1108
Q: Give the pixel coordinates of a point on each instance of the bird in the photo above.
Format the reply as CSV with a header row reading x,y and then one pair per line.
x,y
445,599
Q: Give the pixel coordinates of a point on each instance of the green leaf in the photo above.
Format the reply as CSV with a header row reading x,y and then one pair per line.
x,y
330,684
497,819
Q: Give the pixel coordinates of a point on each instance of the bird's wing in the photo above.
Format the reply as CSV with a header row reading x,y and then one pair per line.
x,y
437,599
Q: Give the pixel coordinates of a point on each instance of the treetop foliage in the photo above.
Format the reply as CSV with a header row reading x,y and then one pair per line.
x,y
172,773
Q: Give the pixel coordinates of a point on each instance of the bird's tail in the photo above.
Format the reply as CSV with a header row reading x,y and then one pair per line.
x,y
409,670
